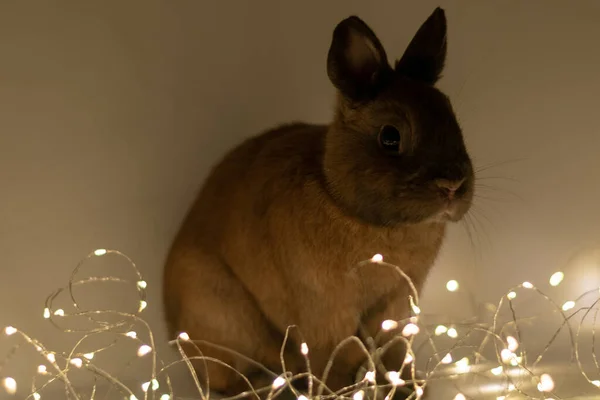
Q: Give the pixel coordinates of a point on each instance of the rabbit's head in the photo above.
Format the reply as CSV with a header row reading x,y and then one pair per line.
x,y
395,151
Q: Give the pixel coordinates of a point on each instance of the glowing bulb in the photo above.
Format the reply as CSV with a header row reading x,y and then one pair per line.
x,y
460,396
447,359
132,397
513,344
165,397
278,382
51,357
440,330
394,378
89,356
410,330
527,285
462,365
546,383
131,334
497,371
452,333
184,336
10,330
304,348
142,284
143,305
154,384
506,355
10,385
515,361
596,383
359,395
100,252
46,313
416,309
377,258
60,312
143,350
408,358
302,397
452,285
419,391
77,362
511,295
388,325
370,376
42,369
568,305
500,397
36,396
556,278
511,387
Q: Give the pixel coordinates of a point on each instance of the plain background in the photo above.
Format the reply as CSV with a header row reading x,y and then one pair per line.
x,y
112,112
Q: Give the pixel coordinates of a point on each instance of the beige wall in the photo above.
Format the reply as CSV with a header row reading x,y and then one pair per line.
x,y
112,111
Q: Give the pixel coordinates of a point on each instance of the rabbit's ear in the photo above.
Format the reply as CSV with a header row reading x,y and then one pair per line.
x,y
356,63
425,56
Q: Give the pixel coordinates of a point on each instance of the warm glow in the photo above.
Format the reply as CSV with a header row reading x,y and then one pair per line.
x,y
154,384
440,330
46,313
51,357
511,295
78,362
447,359
143,305
278,382
10,385
394,378
452,333
370,376
506,355
556,278
100,252
408,358
184,336
460,396
143,350
9,330
527,285
89,356
377,258
131,334
60,312
546,383
165,397
36,396
596,383
359,395
497,371
388,325
462,365
513,344
304,348
410,330
142,284
568,305
42,369
452,285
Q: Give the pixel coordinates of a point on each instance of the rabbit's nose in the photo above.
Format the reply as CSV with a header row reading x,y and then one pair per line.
x,y
449,187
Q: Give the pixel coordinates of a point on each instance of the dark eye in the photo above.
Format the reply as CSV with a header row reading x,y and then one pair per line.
x,y
389,138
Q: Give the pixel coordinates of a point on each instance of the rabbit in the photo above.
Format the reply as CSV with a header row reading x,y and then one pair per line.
x,y
277,233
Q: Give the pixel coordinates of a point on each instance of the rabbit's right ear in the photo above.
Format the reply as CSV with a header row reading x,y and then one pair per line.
x,y
356,64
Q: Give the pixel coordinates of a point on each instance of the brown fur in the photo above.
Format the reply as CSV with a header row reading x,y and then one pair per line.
x,y
277,232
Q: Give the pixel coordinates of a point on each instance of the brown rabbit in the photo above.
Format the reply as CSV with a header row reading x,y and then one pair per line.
x,y
277,232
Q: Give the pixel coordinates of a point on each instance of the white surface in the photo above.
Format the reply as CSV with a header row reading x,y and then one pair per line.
x,y
110,115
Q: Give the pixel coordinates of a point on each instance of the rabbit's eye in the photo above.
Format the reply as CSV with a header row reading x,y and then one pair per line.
x,y
389,138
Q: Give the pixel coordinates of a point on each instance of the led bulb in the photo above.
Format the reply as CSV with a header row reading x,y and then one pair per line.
x,y
184,336
100,252
410,330
9,330
556,278
10,385
377,258
304,348
143,350
388,325
452,285
278,382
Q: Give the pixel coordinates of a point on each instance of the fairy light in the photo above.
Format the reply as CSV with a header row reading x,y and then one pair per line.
x,y
153,382
497,371
506,355
370,376
596,383
78,362
278,382
132,397
527,285
462,366
452,285
511,295
408,358
447,359
10,385
131,334
460,396
142,284
143,305
568,305
377,258
304,348
36,396
42,370
418,391
556,278
51,357
143,350
389,324
359,395
440,330
10,330
165,397
410,330
60,312
394,378
184,336
451,332
89,356
513,344
302,397
546,383
46,313
100,252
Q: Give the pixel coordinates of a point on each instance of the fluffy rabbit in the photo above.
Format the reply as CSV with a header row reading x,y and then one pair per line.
x,y
283,221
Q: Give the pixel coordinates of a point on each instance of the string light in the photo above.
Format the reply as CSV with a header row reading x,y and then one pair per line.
x,y
153,382
9,330
452,285
389,324
377,258
359,395
278,382
370,376
77,362
10,385
142,284
51,357
36,396
100,252
165,397
143,350
304,348
568,305
42,370
556,278
497,371
546,383
527,285
513,345
440,330
60,312
452,333
184,336
460,396
408,358
89,356
447,359
462,366
143,305
511,295
46,313
131,334
410,330
394,378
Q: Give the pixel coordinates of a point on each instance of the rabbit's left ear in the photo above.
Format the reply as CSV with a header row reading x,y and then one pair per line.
x,y
425,56
356,63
